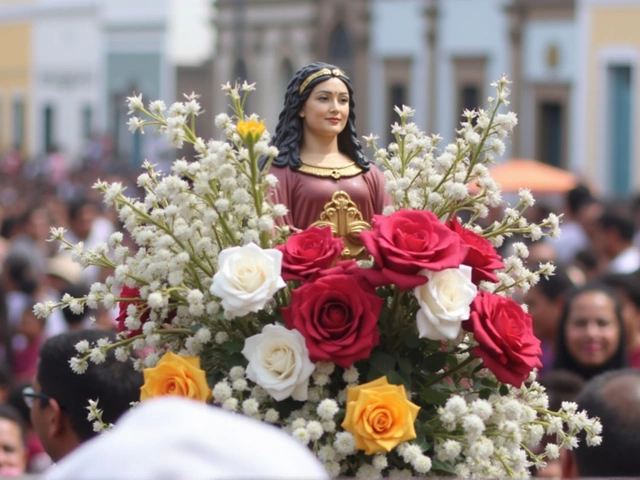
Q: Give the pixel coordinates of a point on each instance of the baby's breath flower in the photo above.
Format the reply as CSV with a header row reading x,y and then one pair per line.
x,y
82,346
230,404
344,443
302,435
78,366
271,416
250,406
222,392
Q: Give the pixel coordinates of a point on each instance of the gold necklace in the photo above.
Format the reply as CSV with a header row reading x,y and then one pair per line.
x,y
334,172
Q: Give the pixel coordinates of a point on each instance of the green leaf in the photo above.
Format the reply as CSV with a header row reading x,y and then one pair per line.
x,y
434,397
411,340
395,379
236,359
504,390
404,367
435,361
233,346
439,466
485,393
382,362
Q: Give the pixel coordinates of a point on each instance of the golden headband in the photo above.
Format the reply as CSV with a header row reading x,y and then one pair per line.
x,y
336,72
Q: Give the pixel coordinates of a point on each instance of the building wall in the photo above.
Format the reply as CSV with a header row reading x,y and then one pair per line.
x,y
67,77
15,65
397,34
613,40
550,64
468,28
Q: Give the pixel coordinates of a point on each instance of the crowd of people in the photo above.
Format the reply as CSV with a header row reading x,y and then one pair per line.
x,y
587,316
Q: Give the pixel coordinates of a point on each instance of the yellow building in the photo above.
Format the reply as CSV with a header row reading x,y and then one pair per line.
x,y
610,94
15,76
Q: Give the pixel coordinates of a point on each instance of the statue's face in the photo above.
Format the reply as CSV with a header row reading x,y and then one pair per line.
x,y
326,111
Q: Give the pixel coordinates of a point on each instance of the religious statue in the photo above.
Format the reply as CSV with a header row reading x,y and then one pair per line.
x,y
324,177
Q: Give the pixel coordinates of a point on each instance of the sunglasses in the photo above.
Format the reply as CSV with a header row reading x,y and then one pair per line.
x,y
28,394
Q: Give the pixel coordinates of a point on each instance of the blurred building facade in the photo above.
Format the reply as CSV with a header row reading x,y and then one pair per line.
x,y
572,63
609,93
70,67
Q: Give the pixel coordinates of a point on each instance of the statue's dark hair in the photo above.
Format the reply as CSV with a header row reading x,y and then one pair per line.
x,y
288,134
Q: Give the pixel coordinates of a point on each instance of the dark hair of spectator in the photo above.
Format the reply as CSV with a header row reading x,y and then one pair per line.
x,y
578,197
612,396
564,360
9,413
627,283
619,222
76,291
115,384
556,285
16,400
561,386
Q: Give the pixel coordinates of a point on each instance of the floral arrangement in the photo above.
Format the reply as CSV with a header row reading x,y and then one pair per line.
x,y
414,361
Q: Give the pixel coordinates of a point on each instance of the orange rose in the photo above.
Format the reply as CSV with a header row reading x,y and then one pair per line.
x,y
379,416
175,375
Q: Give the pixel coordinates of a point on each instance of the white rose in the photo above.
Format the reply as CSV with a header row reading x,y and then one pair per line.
x,y
445,302
279,362
247,278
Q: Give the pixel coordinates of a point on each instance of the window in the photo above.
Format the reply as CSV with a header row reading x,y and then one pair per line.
x,y
17,134
87,121
341,51
551,134
620,118
469,83
397,76
48,128
397,98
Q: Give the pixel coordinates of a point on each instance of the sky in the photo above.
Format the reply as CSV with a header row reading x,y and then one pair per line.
x,y
191,35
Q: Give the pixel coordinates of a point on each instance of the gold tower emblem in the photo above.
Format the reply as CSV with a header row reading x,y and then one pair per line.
x,y
345,220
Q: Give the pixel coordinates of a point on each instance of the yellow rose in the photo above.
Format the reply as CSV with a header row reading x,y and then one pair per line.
x,y
175,375
250,131
379,416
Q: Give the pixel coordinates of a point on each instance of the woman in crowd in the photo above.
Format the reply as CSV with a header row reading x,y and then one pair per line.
x,y
591,337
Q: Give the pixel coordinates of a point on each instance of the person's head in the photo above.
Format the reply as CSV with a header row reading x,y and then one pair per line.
x,y
13,451
627,285
18,274
75,320
561,386
305,93
60,398
587,262
545,301
591,335
613,233
577,198
31,326
82,213
614,397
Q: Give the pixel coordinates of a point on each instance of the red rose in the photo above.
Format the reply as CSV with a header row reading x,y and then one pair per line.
x,y
338,316
504,333
134,293
408,241
481,256
128,292
308,252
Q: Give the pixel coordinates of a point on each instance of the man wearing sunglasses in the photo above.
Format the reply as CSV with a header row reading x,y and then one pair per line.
x,y
58,398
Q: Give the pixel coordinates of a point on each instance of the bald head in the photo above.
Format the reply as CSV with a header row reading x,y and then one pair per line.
x,y
614,397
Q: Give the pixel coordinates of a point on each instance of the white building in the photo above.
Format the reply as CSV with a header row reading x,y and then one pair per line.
x,y
80,60
67,75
